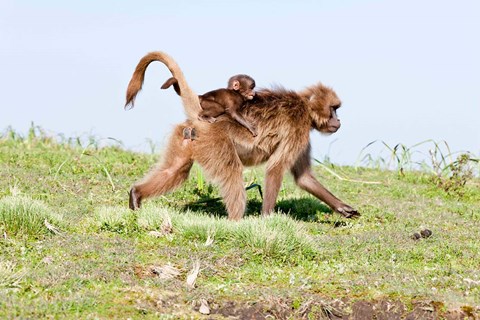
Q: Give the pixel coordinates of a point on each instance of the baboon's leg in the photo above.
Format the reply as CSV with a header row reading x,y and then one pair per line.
x,y
218,158
234,194
273,182
304,178
171,173
240,119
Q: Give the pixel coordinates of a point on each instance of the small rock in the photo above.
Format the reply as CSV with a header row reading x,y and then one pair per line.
x,y
204,308
416,236
165,272
426,233
167,227
47,260
155,234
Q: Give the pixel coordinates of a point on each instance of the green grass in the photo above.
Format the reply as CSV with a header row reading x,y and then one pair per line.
x,y
21,216
99,262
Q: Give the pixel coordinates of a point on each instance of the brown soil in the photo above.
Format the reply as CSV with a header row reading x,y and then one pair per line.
x,y
363,310
312,307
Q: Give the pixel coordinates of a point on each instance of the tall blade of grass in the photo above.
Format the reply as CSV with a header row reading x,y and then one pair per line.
x,y
342,178
109,177
361,151
200,179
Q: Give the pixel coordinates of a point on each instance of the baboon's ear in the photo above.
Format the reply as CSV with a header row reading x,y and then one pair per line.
x,y
236,85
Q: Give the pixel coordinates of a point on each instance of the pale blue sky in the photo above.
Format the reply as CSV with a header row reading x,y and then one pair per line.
x,y
406,70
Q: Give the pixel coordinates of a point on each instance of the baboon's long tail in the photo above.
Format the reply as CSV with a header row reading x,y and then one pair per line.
x,y
190,99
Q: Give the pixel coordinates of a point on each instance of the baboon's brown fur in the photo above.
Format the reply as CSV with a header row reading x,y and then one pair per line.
x,y
284,120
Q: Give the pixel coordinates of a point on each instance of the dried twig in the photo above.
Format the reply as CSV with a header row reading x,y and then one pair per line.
x,y
192,276
210,237
345,179
51,227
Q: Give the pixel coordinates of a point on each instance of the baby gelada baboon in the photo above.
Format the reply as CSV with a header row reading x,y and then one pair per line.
x,y
222,101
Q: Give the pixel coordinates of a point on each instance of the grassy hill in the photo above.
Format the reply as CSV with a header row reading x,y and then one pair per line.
x,y
70,248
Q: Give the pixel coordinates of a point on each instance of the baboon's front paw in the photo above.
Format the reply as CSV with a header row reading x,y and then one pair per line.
x,y
347,211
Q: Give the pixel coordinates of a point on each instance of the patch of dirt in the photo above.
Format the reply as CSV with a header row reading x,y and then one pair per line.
x,y
253,311
339,309
155,271
311,306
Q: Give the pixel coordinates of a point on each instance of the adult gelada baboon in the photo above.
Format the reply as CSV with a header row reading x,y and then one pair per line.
x,y
284,119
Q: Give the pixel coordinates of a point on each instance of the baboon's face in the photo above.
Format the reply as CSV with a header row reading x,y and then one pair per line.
x,y
324,104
